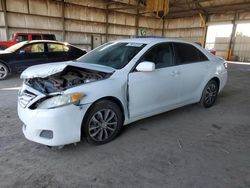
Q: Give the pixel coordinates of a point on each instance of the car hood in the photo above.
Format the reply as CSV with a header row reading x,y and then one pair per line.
x,y
48,69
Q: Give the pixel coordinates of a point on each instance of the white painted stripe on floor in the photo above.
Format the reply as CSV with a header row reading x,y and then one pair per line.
x,y
9,89
238,63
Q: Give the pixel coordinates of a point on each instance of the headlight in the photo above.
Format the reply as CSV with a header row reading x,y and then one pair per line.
x,y
61,100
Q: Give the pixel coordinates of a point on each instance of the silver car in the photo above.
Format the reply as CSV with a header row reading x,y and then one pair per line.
x,y
115,84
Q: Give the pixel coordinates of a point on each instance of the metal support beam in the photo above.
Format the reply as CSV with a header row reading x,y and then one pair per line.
x,y
63,20
204,19
28,5
163,27
232,38
137,19
204,37
107,22
200,9
5,19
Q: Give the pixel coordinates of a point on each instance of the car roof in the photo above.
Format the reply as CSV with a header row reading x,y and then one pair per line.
x,y
33,33
155,40
54,41
148,40
50,41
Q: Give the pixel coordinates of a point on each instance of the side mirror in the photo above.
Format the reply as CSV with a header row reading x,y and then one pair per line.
x,y
145,66
21,51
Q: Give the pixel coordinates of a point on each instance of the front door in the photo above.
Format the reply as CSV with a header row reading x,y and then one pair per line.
x,y
30,54
157,91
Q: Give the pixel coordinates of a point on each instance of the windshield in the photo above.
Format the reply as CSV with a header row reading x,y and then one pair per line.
x,y
15,47
113,54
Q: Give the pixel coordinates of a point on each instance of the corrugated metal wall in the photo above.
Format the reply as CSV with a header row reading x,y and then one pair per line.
x,y
86,22
85,18
242,48
189,29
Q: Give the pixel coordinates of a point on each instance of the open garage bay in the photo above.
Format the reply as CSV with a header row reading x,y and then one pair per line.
x,y
187,147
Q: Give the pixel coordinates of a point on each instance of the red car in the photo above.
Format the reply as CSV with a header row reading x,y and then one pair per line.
x,y
19,37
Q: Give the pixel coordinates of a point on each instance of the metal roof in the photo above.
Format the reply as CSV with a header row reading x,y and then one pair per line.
x,y
181,8
184,8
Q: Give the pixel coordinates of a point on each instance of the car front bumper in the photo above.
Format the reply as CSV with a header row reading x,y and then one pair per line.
x,y
53,127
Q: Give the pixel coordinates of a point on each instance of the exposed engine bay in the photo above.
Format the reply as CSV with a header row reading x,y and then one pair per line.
x,y
69,77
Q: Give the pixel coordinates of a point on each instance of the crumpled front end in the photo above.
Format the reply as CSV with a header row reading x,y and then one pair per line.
x,y
50,115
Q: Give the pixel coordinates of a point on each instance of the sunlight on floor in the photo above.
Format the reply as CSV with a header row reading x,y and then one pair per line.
x,y
10,89
238,63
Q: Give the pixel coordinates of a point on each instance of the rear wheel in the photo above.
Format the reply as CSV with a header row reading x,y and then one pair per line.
x,y
3,71
209,94
103,122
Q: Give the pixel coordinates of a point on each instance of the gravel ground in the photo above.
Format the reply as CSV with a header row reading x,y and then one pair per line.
x,y
188,147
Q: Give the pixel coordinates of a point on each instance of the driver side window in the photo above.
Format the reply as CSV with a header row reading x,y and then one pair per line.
x,y
161,55
33,48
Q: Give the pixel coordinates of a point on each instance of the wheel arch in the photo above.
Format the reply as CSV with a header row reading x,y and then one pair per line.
x,y
107,98
4,63
217,80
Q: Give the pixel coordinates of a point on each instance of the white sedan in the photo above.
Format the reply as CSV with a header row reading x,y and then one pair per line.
x,y
113,85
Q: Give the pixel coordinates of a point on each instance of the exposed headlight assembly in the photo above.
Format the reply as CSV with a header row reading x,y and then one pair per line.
x,y
61,100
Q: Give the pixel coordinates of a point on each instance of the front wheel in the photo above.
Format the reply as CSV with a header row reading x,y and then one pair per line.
x,y
209,94
103,122
3,71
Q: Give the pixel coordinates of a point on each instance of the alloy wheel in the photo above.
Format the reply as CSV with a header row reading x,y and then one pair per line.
x,y
3,71
103,124
211,93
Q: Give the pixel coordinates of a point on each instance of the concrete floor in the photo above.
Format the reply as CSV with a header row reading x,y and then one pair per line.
x,y
188,147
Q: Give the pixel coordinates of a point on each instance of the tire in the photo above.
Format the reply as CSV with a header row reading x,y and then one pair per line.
x,y
3,71
102,123
209,94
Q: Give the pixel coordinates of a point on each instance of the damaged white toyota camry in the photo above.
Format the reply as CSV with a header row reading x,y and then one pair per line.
x,y
113,85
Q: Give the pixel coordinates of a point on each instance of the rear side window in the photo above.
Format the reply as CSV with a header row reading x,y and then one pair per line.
x,y
52,47
33,48
186,53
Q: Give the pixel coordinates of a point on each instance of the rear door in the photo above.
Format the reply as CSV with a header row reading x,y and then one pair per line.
x,y
194,68
30,54
156,91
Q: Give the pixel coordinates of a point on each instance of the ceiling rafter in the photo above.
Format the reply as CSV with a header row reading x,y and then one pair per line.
x,y
200,8
182,8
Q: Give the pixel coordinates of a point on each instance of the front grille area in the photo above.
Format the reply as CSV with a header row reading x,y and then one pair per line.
x,y
25,97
